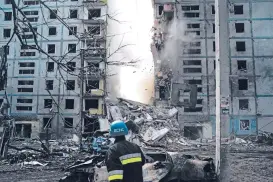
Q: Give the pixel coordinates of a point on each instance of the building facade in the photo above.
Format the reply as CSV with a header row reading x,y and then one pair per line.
x,y
45,88
250,58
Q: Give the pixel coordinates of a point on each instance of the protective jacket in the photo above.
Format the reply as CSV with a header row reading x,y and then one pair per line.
x,y
124,161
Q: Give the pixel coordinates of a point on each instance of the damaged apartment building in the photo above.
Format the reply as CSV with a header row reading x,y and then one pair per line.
x,y
43,93
184,54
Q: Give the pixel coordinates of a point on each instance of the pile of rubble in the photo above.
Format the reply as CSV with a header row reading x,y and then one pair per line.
x,y
149,125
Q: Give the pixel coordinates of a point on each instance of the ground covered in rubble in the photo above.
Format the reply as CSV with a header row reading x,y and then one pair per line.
x,y
246,165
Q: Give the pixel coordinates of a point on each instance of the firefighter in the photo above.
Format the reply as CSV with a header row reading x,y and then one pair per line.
x,y
124,160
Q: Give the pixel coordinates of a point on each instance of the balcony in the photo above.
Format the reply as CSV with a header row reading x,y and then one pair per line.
x,y
94,93
95,3
95,53
94,73
168,10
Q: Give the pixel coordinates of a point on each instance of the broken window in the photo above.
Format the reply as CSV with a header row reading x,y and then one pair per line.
x,y
191,15
238,9
31,12
34,19
214,64
91,125
241,65
49,84
162,92
53,14
192,33
92,84
7,50
73,30
196,109
191,62
193,132
20,101
23,54
160,9
91,104
71,66
70,85
244,124
240,46
72,48
243,84
27,64
50,66
51,48
47,103
31,2
25,82
25,89
73,13
213,9
47,122
192,51
192,70
94,13
213,28
8,16
7,1
68,123
243,104
23,130
213,45
94,30
52,31
193,25
69,103
239,27
24,108
7,32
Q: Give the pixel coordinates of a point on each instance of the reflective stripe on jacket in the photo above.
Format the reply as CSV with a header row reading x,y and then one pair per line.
x,y
124,161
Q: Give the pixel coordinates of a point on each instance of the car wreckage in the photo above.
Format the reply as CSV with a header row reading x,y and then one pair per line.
x,y
159,166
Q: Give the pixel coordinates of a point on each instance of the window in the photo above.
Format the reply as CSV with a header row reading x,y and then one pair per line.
x,y
212,9
192,70
190,8
25,72
7,33
23,108
241,65
91,104
25,89
27,47
8,16
25,82
191,62
31,12
49,84
238,9
70,85
244,125
35,19
239,27
47,122
69,103
52,31
194,25
51,48
94,13
72,30
31,2
191,15
50,66
48,103
192,51
26,64
53,14
94,30
192,32
68,123
213,28
213,44
240,46
243,84
243,104
74,0
72,48
7,1
25,30
7,50
21,101
73,13
71,66
160,9
92,84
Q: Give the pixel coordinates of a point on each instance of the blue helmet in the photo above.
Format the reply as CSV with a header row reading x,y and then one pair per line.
x,y
118,128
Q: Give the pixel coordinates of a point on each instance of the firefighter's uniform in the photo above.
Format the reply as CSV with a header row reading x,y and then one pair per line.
x,y
124,161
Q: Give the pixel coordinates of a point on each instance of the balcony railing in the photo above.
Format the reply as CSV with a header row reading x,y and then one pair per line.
x,y
95,53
